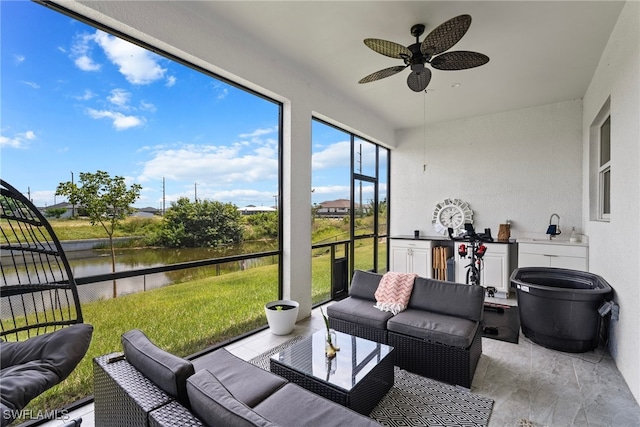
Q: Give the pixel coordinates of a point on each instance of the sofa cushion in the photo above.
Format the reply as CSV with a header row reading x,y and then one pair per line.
x,y
167,371
246,382
360,311
441,328
450,298
216,406
32,366
293,406
364,284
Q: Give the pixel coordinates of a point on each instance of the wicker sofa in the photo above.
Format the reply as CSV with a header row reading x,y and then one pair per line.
x,y
439,335
147,386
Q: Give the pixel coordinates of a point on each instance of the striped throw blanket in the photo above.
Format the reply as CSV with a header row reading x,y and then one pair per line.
x,y
394,291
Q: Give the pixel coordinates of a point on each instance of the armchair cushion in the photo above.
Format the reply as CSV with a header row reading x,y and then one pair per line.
x,y
216,406
28,368
167,371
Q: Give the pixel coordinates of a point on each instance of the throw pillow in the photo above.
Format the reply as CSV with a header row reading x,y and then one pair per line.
x,y
394,291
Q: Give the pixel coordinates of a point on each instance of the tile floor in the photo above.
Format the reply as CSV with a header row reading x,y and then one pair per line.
x,y
532,386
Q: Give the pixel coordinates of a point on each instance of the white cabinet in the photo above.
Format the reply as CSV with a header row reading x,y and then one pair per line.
x,y
574,256
495,269
411,256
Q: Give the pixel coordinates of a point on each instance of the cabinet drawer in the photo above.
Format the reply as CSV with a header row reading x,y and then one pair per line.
x,y
555,250
416,244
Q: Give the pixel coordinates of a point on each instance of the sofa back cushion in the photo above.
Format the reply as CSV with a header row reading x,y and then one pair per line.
x,y
364,284
455,299
167,371
216,406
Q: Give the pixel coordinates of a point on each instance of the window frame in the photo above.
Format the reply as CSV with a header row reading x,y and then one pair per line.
x,y
599,170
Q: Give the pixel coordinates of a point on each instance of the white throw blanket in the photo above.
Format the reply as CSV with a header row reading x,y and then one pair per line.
x,y
394,291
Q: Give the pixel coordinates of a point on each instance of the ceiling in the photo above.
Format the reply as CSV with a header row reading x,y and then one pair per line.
x,y
540,52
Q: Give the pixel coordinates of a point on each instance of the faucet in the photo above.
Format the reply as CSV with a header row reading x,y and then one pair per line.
x,y
554,229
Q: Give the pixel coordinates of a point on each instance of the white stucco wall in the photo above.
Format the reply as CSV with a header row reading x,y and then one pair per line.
x,y
614,246
519,165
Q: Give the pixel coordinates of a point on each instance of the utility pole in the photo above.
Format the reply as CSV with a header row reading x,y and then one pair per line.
x,y
195,191
73,205
163,195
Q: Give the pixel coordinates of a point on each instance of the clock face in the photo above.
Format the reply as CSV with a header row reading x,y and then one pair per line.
x,y
452,213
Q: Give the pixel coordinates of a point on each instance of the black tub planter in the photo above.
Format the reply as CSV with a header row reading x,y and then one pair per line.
x,y
281,316
559,307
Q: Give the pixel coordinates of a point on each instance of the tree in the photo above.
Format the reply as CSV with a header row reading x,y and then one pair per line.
x,y
106,201
202,224
55,212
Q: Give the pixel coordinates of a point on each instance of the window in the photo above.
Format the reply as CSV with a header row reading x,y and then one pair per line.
x,y
604,170
352,175
600,165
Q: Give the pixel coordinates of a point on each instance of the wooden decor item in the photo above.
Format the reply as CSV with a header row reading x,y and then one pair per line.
x,y
440,256
504,232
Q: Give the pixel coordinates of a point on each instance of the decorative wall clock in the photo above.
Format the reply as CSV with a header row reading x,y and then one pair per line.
x,y
453,213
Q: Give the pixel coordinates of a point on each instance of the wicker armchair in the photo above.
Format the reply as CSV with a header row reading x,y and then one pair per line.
x,y
42,333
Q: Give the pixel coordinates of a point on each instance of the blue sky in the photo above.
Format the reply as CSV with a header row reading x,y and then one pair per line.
x,y
76,99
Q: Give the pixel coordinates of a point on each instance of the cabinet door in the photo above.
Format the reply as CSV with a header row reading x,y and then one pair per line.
x,y
399,259
421,261
493,272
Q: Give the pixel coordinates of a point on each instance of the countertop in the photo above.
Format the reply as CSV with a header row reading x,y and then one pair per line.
x,y
540,241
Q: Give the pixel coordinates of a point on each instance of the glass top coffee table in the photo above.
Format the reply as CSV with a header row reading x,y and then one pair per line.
x,y
358,377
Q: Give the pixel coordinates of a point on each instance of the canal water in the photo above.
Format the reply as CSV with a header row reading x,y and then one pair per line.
x,y
94,262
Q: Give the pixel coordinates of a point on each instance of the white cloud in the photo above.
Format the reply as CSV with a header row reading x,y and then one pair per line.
x,y
335,155
147,106
136,64
171,80
19,140
119,120
32,84
259,132
87,95
86,64
120,97
219,164
19,58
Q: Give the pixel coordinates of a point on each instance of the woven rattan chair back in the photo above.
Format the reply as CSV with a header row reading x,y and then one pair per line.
x,y
38,293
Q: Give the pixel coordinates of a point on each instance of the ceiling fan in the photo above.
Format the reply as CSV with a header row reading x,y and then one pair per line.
x,y
430,51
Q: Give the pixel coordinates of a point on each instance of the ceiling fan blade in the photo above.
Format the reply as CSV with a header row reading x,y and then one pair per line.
x,y
459,60
382,74
418,81
446,35
387,48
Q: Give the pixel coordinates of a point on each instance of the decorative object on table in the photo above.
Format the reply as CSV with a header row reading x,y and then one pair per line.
x,y
330,348
282,316
452,213
504,232
394,291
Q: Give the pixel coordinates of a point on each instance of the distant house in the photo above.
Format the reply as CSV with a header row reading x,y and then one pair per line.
x,y
252,209
63,205
337,208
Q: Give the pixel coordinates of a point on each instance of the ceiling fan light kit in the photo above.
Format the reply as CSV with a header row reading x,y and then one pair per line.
x,y
430,51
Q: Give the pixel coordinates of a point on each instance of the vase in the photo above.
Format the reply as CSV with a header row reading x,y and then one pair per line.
x,y
331,344
282,316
